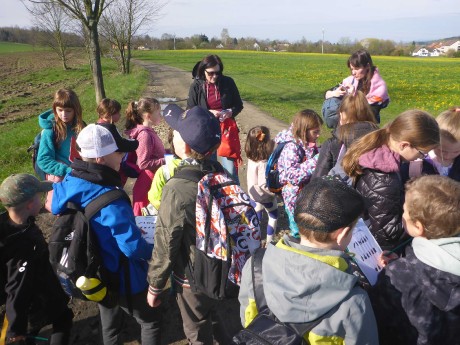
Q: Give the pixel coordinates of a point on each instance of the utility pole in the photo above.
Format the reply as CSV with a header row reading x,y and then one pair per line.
x,y
174,41
322,44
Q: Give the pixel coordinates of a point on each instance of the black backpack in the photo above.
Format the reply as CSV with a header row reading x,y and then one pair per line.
x,y
74,251
33,149
272,174
266,328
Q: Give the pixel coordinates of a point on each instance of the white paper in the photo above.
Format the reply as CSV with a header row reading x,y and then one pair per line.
x,y
147,226
366,251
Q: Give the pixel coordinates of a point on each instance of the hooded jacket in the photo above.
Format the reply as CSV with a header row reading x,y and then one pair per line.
x,y
383,192
150,152
114,225
54,159
378,92
417,298
330,149
294,171
302,284
230,96
32,290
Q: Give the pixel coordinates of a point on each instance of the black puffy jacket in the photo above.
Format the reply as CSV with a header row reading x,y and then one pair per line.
x,y
383,191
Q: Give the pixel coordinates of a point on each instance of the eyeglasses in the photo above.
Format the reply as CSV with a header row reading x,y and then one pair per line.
x,y
213,73
424,155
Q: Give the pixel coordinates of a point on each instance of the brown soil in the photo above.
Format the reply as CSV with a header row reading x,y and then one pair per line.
x,y
167,82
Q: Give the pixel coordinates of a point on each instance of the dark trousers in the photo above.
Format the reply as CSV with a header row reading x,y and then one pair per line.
x,y
148,318
204,317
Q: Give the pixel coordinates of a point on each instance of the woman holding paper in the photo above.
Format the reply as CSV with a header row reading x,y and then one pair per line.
x,y
373,162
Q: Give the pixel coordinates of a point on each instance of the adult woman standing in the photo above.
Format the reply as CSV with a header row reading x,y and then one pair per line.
x,y
364,77
374,164
218,93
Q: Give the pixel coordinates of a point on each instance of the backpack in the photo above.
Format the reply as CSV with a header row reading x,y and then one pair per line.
x,y
129,165
265,328
330,111
34,149
227,232
271,171
74,251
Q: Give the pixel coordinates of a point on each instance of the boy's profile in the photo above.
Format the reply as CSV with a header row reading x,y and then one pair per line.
x,y
122,249
304,281
417,297
32,292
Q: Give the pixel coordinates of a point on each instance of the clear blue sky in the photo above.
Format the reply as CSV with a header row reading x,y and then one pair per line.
x,y
398,20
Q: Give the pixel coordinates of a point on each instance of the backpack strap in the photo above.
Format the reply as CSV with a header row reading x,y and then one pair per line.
x,y
194,175
103,200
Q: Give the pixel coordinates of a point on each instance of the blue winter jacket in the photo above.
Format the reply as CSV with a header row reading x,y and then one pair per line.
x,y
51,159
114,226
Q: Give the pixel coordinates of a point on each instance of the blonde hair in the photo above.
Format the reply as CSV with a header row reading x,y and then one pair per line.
x,y
357,109
434,201
258,145
304,121
135,111
449,124
66,98
417,127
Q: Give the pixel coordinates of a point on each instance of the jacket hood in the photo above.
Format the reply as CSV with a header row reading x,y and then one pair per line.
x,y
443,291
134,132
382,159
46,119
286,135
313,283
358,129
443,253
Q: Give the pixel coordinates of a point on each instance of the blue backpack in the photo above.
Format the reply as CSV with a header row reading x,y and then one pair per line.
x,y
272,173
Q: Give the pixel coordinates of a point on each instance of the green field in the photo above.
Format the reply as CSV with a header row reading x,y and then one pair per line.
x,y
8,47
283,83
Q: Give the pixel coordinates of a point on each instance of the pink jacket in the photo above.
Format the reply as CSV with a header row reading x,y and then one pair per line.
x,y
378,92
150,153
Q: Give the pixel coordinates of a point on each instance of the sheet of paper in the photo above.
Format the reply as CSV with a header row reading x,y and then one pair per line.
x,y
147,226
366,251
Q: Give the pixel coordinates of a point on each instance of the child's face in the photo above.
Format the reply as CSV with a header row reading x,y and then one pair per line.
x,y
65,114
313,134
447,151
113,160
155,117
179,145
36,204
116,117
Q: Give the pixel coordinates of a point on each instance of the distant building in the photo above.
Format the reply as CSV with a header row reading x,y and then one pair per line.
x,y
220,46
256,46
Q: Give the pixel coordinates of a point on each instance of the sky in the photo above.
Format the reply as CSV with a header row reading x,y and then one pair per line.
x,y
292,20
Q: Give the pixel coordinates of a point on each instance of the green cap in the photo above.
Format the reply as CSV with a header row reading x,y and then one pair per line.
x,y
18,188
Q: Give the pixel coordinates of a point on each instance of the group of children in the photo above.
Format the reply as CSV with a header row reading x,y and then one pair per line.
x,y
312,279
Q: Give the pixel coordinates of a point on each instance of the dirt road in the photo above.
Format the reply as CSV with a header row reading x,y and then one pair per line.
x,y
167,82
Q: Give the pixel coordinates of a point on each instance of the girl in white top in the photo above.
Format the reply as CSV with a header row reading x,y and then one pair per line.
x,y
258,148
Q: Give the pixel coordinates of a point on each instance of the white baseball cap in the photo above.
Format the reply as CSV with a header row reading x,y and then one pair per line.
x,y
99,140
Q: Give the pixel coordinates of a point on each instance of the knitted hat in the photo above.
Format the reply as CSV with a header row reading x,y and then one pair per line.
x,y
19,188
331,201
199,128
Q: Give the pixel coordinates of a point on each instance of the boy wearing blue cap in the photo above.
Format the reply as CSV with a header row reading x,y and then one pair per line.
x,y
197,131
32,292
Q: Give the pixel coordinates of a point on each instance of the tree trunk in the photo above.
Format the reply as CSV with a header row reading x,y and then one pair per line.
x,y
95,60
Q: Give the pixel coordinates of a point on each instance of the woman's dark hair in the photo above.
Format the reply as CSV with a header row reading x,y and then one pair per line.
x,y
362,59
208,62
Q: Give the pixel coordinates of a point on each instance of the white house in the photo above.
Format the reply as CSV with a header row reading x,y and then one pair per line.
x,y
421,52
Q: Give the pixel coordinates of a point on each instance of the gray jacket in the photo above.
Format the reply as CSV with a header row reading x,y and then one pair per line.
x,y
302,284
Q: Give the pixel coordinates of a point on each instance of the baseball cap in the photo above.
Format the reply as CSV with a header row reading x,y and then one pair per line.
x,y
99,140
329,200
199,128
18,188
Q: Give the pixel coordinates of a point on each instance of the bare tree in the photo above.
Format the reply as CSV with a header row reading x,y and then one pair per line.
x,y
52,22
88,12
122,20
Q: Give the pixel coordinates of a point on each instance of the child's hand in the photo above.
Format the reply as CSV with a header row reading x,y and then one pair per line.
x,y
386,257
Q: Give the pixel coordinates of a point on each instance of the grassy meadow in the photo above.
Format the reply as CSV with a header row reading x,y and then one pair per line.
x,y
283,83
27,85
